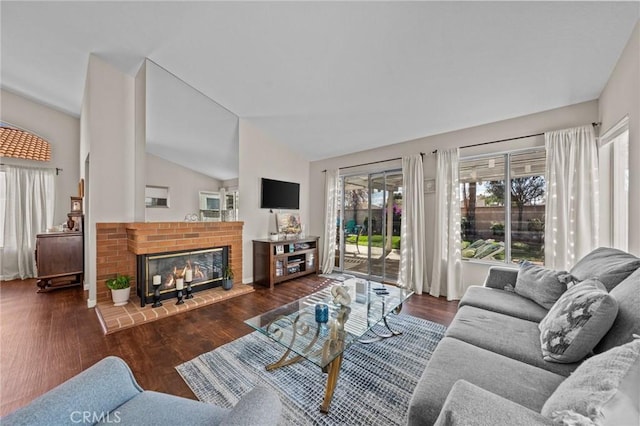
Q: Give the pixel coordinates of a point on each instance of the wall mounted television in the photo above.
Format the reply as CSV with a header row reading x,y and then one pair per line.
x,y
277,194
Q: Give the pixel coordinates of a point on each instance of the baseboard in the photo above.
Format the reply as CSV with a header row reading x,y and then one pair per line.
x,y
91,303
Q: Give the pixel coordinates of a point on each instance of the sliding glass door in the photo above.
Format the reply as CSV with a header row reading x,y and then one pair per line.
x,y
370,209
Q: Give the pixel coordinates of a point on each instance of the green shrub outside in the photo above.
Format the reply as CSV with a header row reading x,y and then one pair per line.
x,y
376,241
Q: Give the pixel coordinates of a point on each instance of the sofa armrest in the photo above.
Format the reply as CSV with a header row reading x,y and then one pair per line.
x,y
97,390
499,277
470,405
261,406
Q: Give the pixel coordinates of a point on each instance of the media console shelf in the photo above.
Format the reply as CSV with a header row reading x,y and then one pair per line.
x,y
277,261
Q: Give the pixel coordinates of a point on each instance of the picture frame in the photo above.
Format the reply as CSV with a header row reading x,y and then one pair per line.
x,y
76,204
429,186
288,223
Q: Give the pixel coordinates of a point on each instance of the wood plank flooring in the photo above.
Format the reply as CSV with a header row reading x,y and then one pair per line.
x,y
47,338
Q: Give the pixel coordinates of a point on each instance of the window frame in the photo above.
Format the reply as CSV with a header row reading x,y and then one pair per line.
x,y
507,197
616,232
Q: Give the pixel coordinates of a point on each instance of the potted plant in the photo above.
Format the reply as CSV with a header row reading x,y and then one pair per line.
x,y
227,278
120,289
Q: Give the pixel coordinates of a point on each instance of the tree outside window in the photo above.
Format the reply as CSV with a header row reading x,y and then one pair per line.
x,y
503,226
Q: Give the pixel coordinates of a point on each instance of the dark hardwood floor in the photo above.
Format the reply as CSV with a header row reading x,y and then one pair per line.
x,y
46,338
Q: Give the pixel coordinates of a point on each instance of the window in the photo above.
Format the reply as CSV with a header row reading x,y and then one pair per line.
x,y
499,225
614,186
620,192
156,196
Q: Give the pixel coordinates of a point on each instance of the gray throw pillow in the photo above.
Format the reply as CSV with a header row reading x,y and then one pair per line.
x,y
543,286
627,322
608,265
577,322
603,389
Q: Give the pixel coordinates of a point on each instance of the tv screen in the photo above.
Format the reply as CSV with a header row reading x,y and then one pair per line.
x,y
277,194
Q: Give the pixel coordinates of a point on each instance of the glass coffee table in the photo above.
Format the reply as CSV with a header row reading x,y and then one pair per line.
x,y
294,325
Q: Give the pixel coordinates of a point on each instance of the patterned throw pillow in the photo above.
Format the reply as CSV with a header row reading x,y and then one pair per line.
x,y
577,322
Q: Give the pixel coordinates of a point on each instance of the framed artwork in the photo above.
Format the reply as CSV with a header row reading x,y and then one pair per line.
x,y
429,186
76,205
288,223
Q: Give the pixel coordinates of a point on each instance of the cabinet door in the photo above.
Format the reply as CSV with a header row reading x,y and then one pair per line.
x,y
59,255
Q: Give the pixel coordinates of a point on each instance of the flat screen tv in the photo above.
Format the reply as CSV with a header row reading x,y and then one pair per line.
x,y
277,194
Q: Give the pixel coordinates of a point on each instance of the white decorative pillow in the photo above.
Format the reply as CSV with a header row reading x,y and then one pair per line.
x,y
591,390
577,322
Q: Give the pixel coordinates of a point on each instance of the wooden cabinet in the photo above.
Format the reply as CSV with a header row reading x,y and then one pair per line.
x,y
59,259
277,261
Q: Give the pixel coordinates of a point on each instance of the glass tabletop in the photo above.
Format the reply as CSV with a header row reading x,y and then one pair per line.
x,y
295,327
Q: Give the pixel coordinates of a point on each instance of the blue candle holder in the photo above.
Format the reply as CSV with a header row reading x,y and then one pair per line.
x,y
322,313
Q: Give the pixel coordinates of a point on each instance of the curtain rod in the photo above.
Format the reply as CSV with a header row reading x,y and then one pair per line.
x,y
57,169
594,124
372,162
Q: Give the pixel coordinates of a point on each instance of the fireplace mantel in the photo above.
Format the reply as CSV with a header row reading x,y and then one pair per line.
x,y
159,237
119,243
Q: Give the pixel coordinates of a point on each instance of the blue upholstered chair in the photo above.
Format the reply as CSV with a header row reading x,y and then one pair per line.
x,y
107,393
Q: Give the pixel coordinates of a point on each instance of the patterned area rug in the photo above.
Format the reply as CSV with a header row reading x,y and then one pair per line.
x,y
374,388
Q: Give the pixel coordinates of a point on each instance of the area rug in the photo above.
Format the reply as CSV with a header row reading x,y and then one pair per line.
x,y
374,388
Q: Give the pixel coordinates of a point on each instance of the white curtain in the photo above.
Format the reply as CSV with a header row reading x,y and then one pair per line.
x,y
447,263
571,215
412,226
330,219
29,208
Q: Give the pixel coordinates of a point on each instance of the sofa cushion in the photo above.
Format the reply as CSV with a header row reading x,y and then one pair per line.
x,y
454,359
470,405
503,334
597,382
543,286
577,322
627,322
608,265
504,302
153,408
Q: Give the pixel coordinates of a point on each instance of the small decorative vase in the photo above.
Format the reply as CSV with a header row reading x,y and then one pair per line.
x,y
227,284
322,313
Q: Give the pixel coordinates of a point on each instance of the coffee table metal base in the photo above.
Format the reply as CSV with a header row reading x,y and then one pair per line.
x,y
333,368
379,336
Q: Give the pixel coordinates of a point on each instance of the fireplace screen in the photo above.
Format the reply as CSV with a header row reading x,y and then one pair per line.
x,y
203,267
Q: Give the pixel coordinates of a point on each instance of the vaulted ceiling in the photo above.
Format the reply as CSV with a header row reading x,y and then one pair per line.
x,y
330,78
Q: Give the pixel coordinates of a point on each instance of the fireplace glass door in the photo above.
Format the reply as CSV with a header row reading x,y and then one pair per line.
x,y
205,266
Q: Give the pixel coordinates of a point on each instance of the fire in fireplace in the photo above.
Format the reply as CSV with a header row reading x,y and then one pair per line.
x,y
204,267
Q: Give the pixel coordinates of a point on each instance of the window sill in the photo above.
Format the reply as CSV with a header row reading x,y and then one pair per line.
x,y
489,263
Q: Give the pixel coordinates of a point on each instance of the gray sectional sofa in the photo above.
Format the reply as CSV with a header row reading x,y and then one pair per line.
x,y
490,368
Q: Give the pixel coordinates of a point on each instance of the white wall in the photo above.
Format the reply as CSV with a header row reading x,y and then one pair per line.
x,y
473,273
108,122
184,185
140,141
61,130
621,97
262,156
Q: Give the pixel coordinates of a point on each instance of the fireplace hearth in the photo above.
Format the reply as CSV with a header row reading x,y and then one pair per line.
x,y
204,266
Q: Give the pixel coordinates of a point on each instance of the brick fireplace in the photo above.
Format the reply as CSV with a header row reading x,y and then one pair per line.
x,y
119,244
